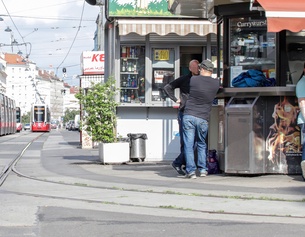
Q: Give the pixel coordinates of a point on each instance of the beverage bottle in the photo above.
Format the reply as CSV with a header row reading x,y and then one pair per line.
x,y
128,97
123,55
133,81
142,86
132,96
123,66
122,96
127,52
125,96
124,82
129,67
128,81
289,81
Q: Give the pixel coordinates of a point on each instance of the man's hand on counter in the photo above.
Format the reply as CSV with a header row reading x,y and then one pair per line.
x,y
177,104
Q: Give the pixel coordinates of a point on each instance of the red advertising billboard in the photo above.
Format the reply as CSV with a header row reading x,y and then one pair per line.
x,y
93,63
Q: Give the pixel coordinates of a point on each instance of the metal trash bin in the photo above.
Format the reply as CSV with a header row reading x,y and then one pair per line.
x,y
137,146
244,136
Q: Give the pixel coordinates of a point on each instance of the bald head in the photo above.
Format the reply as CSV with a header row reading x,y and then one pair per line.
x,y
193,67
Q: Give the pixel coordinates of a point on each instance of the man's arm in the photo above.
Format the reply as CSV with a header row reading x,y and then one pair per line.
x,y
170,91
170,88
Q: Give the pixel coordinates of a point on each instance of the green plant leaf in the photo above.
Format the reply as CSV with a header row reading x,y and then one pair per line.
x,y
99,111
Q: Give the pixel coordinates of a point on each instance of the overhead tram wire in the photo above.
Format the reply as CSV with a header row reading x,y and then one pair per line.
x,y
49,6
24,43
53,18
80,22
12,20
49,18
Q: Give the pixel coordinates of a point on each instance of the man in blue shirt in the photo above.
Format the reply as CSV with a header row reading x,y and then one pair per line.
x,y
300,94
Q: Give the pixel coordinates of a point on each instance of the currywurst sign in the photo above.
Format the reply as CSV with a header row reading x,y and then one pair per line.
x,y
93,63
251,24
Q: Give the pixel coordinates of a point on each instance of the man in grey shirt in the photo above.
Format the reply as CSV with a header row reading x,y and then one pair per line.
x,y
203,90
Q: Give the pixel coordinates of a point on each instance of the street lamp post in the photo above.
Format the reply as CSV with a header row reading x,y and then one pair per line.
x,y
13,42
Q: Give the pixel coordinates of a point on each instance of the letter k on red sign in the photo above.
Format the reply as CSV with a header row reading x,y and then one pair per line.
x,y
98,58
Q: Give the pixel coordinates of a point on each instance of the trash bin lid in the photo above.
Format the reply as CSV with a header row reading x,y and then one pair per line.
x,y
134,136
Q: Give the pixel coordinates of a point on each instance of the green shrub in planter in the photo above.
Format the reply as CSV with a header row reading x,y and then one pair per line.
x,y
99,106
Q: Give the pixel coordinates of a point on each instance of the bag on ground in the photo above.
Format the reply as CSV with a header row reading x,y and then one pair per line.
x,y
212,162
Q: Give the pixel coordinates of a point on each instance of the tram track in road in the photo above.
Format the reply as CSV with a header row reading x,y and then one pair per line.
x,y
9,167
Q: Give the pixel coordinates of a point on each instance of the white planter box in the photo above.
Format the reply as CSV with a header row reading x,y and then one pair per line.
x,y
114,152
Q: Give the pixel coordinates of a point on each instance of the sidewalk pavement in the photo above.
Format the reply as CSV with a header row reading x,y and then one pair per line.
x,y
156,184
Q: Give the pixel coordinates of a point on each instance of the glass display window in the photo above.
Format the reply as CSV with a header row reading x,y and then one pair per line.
x,y
295,45
163,71
132,74
251,46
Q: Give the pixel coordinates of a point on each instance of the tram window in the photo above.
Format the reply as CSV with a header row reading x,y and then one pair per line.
x,y
39,114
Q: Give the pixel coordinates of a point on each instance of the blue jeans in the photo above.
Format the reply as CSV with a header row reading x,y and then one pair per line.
x,y
195,130
180,160
302,127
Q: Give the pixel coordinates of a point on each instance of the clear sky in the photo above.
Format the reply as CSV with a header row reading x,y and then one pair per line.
x,y
58,31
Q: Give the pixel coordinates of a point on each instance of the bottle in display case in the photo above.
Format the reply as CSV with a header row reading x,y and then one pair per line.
x,y
132,96
122,96
132,72
125,96
124,66
124,55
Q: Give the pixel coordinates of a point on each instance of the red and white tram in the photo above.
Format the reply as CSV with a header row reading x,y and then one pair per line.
x,y
40,118
7,115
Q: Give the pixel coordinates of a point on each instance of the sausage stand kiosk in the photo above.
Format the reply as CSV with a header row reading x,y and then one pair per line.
x,y
259,123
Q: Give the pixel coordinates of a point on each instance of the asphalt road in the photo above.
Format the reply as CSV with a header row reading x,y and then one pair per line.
x,y
58,189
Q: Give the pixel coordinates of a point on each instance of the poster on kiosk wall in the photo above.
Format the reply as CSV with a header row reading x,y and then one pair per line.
x,y
283,144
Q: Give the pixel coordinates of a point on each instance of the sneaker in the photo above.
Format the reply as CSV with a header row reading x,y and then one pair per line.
x,y
303,168
203,173
178,169
190,176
